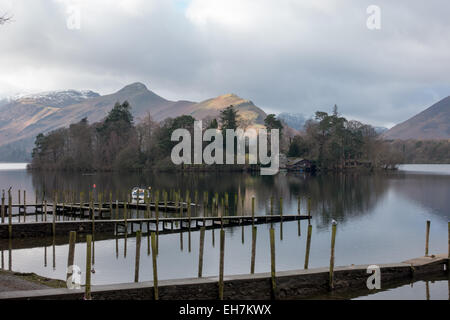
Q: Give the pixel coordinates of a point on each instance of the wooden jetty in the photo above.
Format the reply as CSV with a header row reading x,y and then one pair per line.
x,y
130,226
101,211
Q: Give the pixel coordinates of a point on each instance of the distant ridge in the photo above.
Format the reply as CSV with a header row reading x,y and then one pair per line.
x,y
23,118
431,124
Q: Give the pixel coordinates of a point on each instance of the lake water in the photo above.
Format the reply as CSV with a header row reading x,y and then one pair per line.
x,y
381,219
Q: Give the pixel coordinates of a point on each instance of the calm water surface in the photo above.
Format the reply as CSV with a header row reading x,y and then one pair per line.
x,y
381,219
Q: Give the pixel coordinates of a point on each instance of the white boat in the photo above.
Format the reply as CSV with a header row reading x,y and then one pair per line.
x,y
140,193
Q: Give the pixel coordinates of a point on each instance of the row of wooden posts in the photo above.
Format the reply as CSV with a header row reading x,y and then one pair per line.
x,y
222,255
158,198
178,201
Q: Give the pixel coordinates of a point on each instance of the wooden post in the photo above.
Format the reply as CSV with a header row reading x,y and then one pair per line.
x,y
81,205
333,241
36,205
45,210
281,219
221,263
87,292
93,216
10,214
252,265
54,215
110,205
24,206
117,209
125,216
427,241
308,246
226,201
155,270
272,263
253,210
147,204
18,191
71,256
3,206
138,256
200,254
309,207
448,257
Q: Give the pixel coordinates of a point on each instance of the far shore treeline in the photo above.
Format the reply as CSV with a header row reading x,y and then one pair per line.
x,y
329,141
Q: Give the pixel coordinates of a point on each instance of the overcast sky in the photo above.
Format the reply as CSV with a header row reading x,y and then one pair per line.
x,y
284,55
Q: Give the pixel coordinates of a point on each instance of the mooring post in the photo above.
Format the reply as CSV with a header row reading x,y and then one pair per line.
x,y
81,205
308,246
221,263
93,217
147,206
54,219
155,270
252,264
253,210
448,257
271,206
71,256
10,214
427,241
138,256
309,207
24,206
45,210
18,191
125,216
3,206
281,218
272,264
87,292
200,254
110,205
333,241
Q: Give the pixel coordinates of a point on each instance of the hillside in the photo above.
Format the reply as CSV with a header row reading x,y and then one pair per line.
x,y
23,118
431,124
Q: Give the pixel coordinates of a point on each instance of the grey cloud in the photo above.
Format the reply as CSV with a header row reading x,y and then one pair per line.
x,y
292,56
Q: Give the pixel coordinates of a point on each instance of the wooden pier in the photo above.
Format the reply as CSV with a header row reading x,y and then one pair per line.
x,y
131,226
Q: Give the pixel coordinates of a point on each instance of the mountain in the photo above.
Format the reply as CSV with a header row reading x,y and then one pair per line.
x,y
22,119
431,124
380,130
293,120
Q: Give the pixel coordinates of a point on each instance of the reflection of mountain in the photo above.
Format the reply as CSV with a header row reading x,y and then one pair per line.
x,y
429,191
